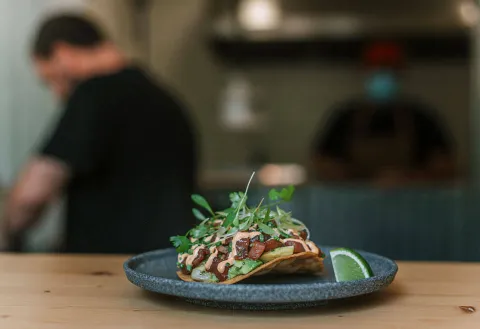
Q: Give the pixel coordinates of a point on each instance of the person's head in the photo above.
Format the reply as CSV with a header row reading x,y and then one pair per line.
x,y
63,51
383,61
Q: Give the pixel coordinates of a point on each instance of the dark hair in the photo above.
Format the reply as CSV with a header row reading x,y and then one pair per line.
x,y
69,28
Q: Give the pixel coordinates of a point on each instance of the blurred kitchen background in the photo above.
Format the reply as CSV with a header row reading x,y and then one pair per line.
x,y
260,78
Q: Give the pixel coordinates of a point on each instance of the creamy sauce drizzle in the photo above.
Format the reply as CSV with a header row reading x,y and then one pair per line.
x,y
213,254
292,232
305,246
192,257
208,238
313,247
233,253
181,257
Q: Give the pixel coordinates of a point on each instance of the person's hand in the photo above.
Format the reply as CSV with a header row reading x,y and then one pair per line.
x,y
3,235
12,228
11,239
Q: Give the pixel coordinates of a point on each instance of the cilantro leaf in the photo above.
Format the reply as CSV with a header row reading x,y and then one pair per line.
x,y
200,200
274,194
198,214
236,199
266,229
181,243
221,213
246,224
236,222
199,232
230,218
280,212
267,216
287,193
229,211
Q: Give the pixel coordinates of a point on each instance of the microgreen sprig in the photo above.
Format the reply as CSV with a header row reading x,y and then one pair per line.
x,y
239,217
202,202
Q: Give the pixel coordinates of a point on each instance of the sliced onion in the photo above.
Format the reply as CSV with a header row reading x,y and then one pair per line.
x,y
277,220
200,274
296,221
235,230
221,231
244,215
226,236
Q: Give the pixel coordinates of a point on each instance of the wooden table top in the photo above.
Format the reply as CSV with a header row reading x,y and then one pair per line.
x,y
91,292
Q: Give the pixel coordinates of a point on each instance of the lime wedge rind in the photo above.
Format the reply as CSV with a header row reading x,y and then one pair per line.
x,y
355,259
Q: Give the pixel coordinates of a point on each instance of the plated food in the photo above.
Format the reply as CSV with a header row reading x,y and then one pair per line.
x,y
236,243
242,241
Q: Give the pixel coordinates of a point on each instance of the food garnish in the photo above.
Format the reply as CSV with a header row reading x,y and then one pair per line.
x,y
230,245
348,265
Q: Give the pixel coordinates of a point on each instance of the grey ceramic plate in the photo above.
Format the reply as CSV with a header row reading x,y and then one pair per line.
x,y
156,271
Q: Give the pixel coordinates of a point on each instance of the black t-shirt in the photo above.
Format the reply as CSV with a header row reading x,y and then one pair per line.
x,y
429,134
132,154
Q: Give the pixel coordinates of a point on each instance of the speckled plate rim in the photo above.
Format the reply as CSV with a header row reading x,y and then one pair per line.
x,y
259,293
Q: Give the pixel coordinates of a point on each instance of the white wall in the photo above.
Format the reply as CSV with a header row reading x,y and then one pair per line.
x,y
117,18
26,107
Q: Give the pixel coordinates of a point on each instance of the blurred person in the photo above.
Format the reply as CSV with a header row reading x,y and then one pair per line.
x,y
122,151
385,138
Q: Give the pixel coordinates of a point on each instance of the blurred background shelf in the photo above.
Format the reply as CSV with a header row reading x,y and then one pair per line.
x,y
294,74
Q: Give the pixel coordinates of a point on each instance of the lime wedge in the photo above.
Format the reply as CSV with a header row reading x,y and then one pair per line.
x,y
348,265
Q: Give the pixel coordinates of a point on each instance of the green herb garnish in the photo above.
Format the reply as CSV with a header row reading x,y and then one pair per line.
x,y
198,214
230,218
200,200
238,218
266,229
181,243
266,218
285,235
237,198
199,231
284,194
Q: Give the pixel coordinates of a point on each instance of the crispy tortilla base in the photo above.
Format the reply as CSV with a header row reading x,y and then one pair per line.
x,y
305,262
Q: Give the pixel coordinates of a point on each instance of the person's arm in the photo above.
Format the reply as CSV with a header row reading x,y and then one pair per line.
x,y
329,160
40,182
78,145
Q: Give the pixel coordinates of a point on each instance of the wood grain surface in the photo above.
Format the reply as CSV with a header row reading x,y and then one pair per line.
x,y
91,292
